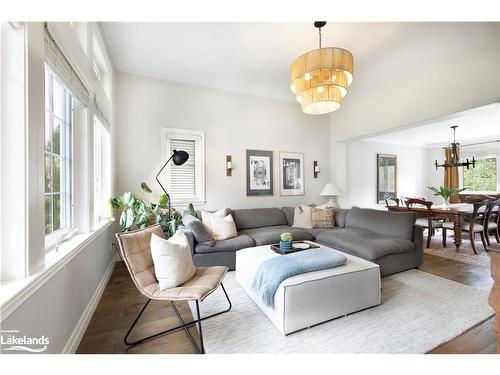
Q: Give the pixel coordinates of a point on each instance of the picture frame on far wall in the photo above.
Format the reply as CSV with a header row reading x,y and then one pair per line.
x,y
387,177
292,179
260,173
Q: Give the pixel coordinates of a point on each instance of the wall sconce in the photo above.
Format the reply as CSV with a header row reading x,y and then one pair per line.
x,y
229,165
315,169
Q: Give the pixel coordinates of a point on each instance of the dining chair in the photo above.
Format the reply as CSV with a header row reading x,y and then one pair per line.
x,y
424,221
473,224
136,253
391,201
491,220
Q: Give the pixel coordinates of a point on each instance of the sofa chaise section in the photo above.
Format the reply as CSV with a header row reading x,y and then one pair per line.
x,y
389,239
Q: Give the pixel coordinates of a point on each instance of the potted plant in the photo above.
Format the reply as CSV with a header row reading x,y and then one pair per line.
x,y
286,241
445,193
138,212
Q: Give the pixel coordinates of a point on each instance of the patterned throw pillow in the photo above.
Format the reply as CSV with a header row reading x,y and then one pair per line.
x,y
323,218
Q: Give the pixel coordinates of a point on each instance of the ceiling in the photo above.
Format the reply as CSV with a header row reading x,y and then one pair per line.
x,y
474,125
249,58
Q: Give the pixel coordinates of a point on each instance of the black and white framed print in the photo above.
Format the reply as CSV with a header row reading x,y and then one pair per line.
x,y
387,177
292,173
259,172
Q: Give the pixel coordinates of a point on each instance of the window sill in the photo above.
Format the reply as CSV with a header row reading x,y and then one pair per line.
x,y
14,293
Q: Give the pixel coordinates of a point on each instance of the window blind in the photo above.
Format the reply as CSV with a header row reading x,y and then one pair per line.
x,y
63,69
183,177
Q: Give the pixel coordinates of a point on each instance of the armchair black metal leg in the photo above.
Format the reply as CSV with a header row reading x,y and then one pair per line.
x,y
199,327
184,325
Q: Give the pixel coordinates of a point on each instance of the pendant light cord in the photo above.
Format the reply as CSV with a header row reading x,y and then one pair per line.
x,y
319,28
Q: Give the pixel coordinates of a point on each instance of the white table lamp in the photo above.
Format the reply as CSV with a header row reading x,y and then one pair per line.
x,y
330,190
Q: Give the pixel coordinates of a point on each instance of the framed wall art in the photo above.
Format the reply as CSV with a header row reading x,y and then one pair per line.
x,y
386,176
291,173
259,172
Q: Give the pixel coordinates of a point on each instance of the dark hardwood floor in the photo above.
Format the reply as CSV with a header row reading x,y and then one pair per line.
x,y
121,303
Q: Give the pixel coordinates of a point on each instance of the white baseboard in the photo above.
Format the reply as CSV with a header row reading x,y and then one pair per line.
x,y
80,328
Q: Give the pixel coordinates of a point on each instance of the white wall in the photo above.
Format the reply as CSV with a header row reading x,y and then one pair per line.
x,y
232,124
361,189
60,308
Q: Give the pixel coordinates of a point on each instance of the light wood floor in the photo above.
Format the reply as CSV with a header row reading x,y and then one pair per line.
x,y
121,303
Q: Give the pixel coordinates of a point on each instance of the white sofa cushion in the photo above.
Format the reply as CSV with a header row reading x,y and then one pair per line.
x,y
302,217
172,260
223,227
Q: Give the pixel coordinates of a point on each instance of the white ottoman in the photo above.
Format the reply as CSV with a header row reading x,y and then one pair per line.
x,y
305,300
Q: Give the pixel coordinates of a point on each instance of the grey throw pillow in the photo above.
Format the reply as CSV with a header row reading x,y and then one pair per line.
x,y
199,230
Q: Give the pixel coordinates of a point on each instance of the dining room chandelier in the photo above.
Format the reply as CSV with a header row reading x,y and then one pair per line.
x,y
320,78
454,158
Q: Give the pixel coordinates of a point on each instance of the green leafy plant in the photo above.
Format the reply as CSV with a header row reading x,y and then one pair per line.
x,y
286,237
445,192
137,212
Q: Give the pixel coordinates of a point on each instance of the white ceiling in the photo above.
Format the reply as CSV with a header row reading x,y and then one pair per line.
x,y
249,58
477,124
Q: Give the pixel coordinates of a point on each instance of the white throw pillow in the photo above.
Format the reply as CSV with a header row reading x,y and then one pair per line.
x,y
302,217
172,260
223,227
206,218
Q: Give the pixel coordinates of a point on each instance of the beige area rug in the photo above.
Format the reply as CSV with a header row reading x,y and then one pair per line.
x,y
465,254
419,312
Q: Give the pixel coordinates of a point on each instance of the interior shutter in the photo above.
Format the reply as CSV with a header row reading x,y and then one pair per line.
x,y
183,177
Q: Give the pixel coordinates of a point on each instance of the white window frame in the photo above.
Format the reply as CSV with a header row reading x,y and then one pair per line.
x,y
461,176
167,134
53,239
101,160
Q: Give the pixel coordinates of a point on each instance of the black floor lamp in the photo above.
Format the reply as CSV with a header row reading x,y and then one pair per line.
x,y
179,158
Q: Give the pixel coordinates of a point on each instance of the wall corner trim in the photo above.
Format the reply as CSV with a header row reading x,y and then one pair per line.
x,y
80,328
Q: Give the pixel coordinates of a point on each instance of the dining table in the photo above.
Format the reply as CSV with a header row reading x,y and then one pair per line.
x,y
455,212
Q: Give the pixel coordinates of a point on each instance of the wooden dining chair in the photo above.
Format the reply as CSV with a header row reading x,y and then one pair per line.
x,y
391,201
136,253
473,224
491,220
424,221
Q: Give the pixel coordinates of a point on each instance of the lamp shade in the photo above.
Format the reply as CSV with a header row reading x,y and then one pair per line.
x,y
330,190
180,157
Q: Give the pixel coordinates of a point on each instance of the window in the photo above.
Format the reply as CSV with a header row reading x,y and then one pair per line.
x,y
102,171
483,177
185,183
58,155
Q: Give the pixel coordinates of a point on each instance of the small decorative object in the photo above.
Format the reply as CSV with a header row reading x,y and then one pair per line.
x,y
330,190
259,172
292,173
386,177
315,169
445,193
301,246
286,241
229,165
452,155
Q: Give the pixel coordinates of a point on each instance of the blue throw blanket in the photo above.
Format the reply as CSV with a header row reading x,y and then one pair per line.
x,y
273,271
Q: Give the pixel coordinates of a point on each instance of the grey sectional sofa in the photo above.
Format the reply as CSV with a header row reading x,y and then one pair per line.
x,y
389,239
